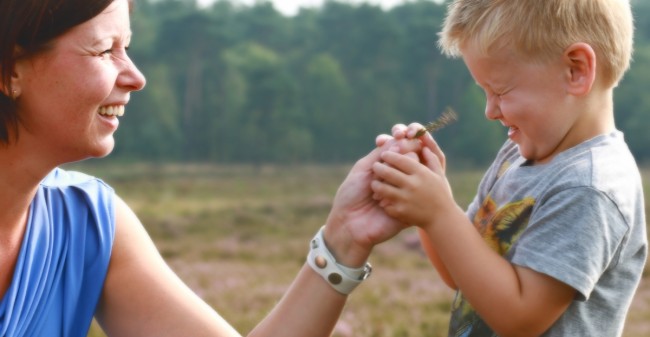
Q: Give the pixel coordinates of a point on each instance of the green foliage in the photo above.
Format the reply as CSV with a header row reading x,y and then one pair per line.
x,y
633,103
151,119
246,84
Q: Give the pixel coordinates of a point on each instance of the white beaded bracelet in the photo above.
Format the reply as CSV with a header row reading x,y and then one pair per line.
x,y
343,279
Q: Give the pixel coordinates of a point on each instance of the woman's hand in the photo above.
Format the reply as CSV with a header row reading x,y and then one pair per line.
x,y
356,222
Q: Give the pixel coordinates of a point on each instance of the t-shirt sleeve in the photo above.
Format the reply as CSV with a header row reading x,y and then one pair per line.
x,y
573,236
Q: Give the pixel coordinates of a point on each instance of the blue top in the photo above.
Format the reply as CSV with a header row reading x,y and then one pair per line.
x,y
63,259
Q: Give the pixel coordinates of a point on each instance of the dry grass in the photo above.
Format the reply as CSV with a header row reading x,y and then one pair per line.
x,y
238,235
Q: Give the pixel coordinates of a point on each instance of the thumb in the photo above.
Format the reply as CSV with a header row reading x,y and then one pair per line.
x,y
382,139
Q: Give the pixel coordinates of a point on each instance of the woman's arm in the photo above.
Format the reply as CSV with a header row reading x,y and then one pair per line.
x,y
143,297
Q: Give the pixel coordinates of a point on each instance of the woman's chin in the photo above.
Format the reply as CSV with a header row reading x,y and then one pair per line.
x,y
103,149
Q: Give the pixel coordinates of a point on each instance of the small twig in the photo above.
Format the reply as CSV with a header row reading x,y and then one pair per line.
x,y
447,117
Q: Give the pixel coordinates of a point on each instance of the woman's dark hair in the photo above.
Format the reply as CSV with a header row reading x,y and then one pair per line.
x,y
27,27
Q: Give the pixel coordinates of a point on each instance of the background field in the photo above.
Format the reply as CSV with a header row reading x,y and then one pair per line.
x,y
238,235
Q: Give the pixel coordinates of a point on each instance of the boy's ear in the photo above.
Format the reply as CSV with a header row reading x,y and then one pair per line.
x,y
580,64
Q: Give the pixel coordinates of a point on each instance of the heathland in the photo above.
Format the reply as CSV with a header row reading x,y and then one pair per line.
x,y
238,235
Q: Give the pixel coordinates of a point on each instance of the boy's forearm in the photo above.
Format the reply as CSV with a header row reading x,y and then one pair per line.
x,y
504,295
430,250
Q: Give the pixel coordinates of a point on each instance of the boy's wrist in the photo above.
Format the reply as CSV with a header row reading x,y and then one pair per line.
x,y
446,219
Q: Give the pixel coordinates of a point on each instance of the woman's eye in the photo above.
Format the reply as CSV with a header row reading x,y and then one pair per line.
x,y
114,52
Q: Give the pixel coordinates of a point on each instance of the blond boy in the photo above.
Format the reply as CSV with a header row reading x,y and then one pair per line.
x,y
554,243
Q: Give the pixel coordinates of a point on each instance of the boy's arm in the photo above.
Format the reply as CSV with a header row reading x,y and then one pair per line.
x,y
512,300
435,260
404,134
429,248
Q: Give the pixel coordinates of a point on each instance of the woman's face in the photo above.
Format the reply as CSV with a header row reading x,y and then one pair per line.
x,y
72,94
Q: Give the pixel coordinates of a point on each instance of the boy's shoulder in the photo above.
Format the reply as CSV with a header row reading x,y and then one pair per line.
x,y
599,160
603,163
602,155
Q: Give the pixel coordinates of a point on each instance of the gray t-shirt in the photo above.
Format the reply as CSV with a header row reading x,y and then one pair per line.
x,y
579,219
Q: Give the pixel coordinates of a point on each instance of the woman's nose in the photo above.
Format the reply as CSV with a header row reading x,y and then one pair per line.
x,y
131,77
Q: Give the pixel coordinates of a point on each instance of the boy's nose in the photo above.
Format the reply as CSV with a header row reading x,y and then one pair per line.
x,y
492,110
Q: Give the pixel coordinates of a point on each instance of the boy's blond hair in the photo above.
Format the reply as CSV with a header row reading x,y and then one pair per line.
x,y
543,29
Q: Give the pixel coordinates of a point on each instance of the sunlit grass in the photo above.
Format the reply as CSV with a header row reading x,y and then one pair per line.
x,y
238,235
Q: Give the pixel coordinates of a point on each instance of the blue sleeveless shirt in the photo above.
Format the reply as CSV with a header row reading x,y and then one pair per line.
x,y
63,260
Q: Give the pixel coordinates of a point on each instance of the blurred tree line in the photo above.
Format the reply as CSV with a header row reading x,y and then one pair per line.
x,y
236,84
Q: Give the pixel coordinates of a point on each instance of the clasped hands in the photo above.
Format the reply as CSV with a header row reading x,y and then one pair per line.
x,y
399,184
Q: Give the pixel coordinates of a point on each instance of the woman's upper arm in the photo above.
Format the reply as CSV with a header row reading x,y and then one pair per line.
x,y
142,296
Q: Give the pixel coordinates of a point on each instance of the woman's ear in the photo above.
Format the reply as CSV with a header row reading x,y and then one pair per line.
x,y
8,88
580,64
14,89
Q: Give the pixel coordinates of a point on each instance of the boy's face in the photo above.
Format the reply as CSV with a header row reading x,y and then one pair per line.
x,y
528,98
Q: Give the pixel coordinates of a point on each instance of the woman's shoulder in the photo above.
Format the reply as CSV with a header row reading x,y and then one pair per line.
x,y
61,179
78,190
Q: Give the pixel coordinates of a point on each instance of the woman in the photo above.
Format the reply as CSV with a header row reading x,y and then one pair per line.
x,y
70,249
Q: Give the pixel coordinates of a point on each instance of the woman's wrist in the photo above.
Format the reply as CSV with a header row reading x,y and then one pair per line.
x,y
344,249
342,278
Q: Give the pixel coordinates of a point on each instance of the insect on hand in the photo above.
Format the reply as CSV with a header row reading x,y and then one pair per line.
x,y
447,117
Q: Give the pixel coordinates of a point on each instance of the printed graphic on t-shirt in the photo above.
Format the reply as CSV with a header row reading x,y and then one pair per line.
x,y
500,228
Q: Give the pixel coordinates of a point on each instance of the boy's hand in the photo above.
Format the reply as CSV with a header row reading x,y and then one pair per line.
x,y
399,132
407,205
356,222
402,134
410,191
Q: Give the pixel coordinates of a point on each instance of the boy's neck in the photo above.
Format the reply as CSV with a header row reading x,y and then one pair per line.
x,y
596,117
597,114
